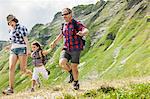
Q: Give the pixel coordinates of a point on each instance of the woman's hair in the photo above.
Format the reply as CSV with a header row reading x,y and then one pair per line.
x,y
36,43
15,20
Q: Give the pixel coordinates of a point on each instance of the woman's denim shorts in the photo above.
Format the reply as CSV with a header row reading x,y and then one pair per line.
x,y
19,51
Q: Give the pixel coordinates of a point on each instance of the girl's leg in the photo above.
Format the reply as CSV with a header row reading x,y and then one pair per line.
x,y
33,85
35,77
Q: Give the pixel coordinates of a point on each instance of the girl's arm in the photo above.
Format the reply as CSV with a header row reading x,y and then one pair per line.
x,y
45,52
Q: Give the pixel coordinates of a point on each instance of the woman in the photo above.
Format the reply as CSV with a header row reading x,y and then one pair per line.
x,y
19,50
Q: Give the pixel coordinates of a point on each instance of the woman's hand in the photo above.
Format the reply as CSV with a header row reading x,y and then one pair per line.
x,y
7,48
28,52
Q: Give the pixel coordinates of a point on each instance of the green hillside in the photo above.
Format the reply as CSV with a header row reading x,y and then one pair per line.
x,y
117,47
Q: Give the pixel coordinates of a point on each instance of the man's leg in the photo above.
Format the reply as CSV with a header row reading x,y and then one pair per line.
x,y
75,56
75,75
75,71
63,62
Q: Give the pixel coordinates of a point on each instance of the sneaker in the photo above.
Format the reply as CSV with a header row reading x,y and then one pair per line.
x,y
76,85
8,91
32,90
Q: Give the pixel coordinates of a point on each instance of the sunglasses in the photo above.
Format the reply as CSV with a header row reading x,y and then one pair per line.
x,y
66,14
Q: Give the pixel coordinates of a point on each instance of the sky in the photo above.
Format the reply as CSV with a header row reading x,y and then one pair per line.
x,y
31,12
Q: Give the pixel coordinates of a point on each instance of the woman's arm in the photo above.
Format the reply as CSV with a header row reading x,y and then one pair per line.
x,y
27,43
8,47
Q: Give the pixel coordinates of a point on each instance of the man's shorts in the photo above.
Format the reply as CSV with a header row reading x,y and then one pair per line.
x,y
74,56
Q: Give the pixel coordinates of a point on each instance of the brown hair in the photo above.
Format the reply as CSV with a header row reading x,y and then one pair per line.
x,y
36,43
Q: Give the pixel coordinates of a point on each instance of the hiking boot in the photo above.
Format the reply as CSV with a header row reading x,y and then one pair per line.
x,y
32,90
76,85
8,91
71,77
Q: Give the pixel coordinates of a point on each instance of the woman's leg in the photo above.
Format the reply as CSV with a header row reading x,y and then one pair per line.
x,y
23,65
12,62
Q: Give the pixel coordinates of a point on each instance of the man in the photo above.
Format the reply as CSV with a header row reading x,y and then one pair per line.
x,y
73,45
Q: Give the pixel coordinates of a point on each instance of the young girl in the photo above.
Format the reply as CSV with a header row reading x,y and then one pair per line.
x,y
38,62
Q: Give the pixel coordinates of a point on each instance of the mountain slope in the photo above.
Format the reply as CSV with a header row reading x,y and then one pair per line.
x,y
117,47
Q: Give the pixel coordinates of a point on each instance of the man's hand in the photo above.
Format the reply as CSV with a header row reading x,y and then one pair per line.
x,y
80,33
53,44
84,32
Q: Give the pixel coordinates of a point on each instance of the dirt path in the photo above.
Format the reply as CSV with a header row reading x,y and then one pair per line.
x,y
59,90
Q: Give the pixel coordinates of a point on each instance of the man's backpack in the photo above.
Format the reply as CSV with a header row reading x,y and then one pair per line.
x,y
74,22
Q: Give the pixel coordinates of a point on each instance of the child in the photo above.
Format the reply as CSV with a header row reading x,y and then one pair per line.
x,y
38,62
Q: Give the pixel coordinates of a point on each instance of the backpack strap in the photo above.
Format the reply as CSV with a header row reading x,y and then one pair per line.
x,y
62,27
74,22
42,57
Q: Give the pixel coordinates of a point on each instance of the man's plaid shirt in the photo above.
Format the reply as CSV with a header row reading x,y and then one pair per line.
x,y
72,42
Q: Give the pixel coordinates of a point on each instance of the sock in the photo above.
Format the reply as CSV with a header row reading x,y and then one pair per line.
x,y
70,71
76,81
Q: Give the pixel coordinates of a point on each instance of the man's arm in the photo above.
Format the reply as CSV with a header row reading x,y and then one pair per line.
x,y
58,38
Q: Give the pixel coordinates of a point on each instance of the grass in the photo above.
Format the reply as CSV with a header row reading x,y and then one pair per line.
x,y
134,92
